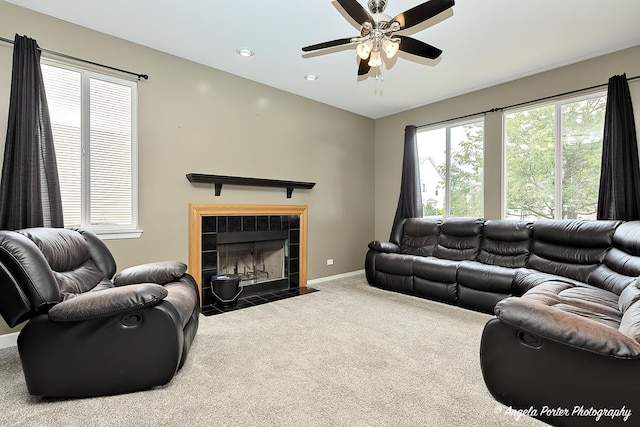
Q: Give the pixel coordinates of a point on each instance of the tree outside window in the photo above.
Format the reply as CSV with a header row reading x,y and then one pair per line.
x,y
552,159
451,169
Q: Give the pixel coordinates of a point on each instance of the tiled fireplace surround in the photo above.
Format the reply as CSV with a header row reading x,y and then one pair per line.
x,y
207,220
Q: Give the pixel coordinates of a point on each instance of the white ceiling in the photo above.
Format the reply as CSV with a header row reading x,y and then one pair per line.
x,y
484,42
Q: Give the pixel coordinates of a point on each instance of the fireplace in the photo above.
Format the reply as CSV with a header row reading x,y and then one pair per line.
x,y
264,244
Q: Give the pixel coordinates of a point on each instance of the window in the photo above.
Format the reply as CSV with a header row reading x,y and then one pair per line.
x,y
93,119
451,169
552,159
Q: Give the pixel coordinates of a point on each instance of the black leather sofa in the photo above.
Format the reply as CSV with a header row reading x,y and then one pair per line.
x,y
91,333
568,350
564,345
465,261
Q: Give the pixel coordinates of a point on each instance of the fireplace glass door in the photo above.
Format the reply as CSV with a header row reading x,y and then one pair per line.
x,y
255,262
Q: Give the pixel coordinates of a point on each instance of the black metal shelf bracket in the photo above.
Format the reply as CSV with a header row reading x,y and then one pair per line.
x,y
219,180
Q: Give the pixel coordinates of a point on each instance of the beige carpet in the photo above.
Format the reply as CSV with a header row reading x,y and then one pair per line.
x,y
349,355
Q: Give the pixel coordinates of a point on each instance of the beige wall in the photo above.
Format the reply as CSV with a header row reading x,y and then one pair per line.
x,y
196,119
389,132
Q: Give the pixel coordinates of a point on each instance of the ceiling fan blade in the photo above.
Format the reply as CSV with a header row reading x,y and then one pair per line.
x,y
422,12
363,67
416,47
357,12
325,45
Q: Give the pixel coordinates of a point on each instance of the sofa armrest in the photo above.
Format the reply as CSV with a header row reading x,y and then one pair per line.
x,y
566,328
107,302
386,247
155,272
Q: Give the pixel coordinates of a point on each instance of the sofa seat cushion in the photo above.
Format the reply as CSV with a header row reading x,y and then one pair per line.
x,y
484,277
586,301
592,303
585,318
399,264
526,279
435,269
592,298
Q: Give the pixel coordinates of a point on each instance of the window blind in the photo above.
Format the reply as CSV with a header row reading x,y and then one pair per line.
x,y
92,119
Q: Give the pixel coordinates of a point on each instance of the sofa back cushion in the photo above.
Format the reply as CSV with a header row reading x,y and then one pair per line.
x,y
570,248
27,284
420,236
69,258
505,243
459,238
621,265
396,231
630,322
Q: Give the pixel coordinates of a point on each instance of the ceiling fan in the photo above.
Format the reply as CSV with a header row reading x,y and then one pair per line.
x,y
378,32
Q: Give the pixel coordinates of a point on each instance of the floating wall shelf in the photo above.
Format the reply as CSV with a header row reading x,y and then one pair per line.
x,y
219,180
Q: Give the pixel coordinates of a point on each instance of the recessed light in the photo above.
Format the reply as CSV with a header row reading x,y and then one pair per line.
x,y
311,77
245,51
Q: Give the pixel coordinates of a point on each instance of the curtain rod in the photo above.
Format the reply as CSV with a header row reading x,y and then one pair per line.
x,y
493,110
63,55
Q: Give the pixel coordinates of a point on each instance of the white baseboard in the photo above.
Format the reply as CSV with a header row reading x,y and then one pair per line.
x,y
337,276
9,340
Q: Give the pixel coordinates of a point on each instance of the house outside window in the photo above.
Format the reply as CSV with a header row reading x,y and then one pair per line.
x,y
94,124
552,157
451,169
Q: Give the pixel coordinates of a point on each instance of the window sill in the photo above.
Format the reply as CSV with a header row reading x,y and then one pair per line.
x,y
113,235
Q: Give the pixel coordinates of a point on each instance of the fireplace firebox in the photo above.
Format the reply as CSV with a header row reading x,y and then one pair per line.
x,y
257,257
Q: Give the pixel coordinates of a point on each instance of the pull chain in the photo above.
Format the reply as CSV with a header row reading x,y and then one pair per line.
x,y
379,80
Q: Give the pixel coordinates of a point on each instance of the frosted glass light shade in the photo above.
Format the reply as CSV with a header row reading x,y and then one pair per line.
x,y
390,48
364,49
375,60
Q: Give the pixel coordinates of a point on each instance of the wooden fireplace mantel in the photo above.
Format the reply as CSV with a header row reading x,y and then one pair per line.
x,y
198,211
219,180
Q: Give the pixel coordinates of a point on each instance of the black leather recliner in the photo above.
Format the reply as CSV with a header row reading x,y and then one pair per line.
x,y
90,333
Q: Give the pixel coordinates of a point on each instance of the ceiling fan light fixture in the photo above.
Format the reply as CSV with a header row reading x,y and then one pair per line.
x,y
390,47
375,59
377,32
364,49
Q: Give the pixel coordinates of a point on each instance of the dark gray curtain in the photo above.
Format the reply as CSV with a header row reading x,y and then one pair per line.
x,y
619,194
29,191
410,200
